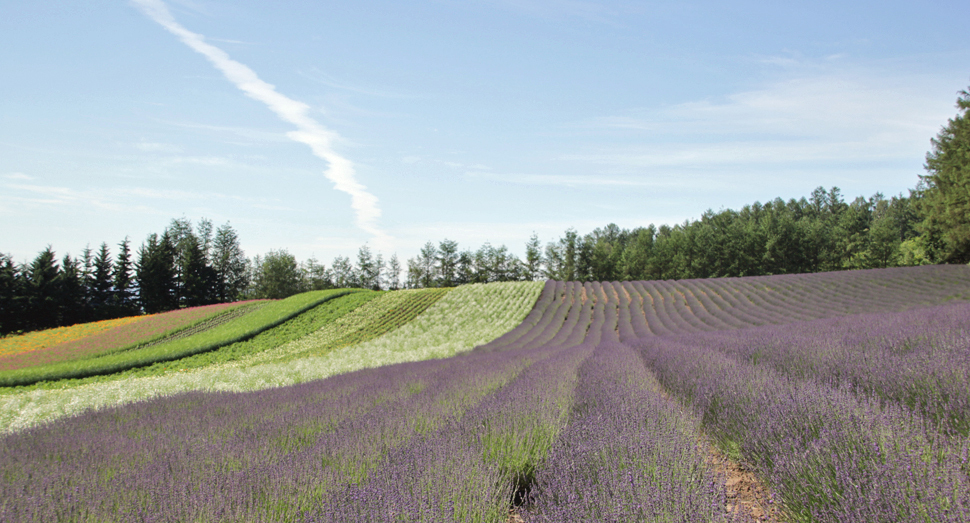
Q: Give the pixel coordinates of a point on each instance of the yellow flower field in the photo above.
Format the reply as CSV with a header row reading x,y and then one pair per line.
x,y
11,345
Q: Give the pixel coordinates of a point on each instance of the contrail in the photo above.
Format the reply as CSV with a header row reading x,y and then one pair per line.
x,y
340,170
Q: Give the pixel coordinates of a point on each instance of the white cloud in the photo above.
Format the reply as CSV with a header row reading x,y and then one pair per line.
x,y
340,170
817,115
18,176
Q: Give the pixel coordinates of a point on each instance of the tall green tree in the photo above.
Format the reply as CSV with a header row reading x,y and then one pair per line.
x,y
124,292
277,276
71,292
343,273
392,276
315,276
155,274
532,266
102,282
195,282
368,269
43,291
945,201
230,264
447,263
12,296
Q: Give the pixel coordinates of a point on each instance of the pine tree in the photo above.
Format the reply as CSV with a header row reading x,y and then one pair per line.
x,y
193,274
230,264
533,258
368,270
124,295
71,292
102,283
392,277
155,274
43,291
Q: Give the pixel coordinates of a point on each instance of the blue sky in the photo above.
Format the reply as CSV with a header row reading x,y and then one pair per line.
x,y
321,126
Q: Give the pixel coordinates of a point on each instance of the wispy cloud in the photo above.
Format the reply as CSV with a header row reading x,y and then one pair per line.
x,y
308,131
18,176
817,115
156,147
573,181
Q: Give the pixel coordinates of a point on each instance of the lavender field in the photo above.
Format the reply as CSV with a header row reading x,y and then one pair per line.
x,y
847,393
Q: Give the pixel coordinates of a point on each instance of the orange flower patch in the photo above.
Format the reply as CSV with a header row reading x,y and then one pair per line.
x,y
150,328
46,338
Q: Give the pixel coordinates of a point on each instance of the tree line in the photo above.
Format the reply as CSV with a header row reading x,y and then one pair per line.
x,y
190,265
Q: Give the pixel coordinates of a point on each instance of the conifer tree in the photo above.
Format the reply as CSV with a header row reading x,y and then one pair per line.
x,y
71,292
11,295
533,258
43,291
124,295
392,276
102,282
155,274
230,264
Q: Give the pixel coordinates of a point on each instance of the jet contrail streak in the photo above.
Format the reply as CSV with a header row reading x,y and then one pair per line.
x,y
340,170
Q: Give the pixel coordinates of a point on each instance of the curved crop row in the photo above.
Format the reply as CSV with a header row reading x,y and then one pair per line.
x,y
238,330
372,319
11,345
151,330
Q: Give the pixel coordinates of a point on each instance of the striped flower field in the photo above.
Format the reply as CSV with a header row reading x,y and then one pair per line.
x,y
846,393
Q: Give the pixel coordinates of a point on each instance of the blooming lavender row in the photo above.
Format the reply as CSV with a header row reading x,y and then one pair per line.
x,y
918,359
470,470
266,456
830,454
627,455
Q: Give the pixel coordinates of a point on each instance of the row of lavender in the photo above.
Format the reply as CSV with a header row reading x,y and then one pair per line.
x,y
564,413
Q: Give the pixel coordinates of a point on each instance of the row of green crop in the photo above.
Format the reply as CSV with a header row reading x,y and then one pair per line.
x,y
463,318
368,322
242,329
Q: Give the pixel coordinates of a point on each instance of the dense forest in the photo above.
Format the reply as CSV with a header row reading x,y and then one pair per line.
x,y
188,265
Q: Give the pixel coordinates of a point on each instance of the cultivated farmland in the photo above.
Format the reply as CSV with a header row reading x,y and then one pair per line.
x,y
845,392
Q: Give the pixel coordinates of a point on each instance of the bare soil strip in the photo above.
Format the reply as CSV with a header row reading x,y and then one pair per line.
x,y
748,498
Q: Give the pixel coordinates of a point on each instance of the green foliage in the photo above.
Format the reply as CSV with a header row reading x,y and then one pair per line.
x,y
238,330
945,190
275,276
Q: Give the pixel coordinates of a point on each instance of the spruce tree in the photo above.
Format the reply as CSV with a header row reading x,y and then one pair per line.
x,y
71,292
230,264
43,291
155,274
124,295
533,258
102,283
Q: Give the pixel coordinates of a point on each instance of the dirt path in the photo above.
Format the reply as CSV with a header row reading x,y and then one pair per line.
x,y
747,497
